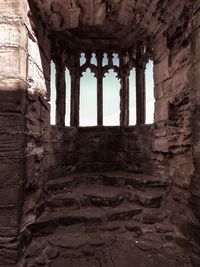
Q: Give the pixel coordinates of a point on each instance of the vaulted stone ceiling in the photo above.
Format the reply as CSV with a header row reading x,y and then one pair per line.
x,y
116,22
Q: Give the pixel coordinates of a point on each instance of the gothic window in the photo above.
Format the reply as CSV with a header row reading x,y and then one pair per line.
x,y
115,59
53,95
105,59
111,99
88,99
82,59
68,97
149,81
119,90
93,59
132,97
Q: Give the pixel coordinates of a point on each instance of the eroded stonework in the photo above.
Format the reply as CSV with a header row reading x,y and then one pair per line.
x,y
99,196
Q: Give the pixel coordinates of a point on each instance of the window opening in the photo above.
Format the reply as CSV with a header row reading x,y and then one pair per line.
x,y
88,99
132,97
94,59
105,59
115,59
150,100
82,59
53,94
68,97
111,99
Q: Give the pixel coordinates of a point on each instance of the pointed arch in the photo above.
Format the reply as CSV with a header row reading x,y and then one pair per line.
x,y
150,100
132,97
68,97
88,99
111,99
53,94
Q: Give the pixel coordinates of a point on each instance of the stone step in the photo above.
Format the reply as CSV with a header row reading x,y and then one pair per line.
x,y
87,195
62,182
133,179
49,221
104,196
121,179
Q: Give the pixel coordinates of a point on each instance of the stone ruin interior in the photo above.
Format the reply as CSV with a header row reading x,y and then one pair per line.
x,y
101,196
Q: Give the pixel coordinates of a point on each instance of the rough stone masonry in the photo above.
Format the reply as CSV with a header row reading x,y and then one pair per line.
x,y
119,196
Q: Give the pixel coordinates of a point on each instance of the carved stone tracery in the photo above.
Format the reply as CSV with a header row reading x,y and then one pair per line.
x,y
135,57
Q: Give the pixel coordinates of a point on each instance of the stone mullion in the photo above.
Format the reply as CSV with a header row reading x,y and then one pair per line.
x,y
100,100
140,85
75,92
72,99
60,93
77,101
140,95
124,101
99,91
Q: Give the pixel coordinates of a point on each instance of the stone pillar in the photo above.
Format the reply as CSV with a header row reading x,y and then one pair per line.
x,y
140,87
75,91
124,100
60,91
13,86
100,100
99,90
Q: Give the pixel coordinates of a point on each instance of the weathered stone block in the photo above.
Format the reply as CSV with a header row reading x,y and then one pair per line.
x,y
12,95
13,8
39,63
196,21
160,48
160,145
13,33
9,195
180,81
161,71
8,216
11,171
161,110
13,61
180,60
11,144
182,169
11,122
195,81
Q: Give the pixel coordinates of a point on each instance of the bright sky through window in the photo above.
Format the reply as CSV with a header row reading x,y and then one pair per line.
x,y
111,99
88,99
149,81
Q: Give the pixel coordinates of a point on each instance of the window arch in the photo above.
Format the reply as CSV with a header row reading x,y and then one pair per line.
x,y
149,81
88,99
98,97
132,97
115,59
94,59
111,99
105,59
82,59
53,94
68,97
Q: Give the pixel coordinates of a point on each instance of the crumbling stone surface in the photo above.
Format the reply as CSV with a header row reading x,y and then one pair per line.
x,y
98,149
112,219
52,215
110,19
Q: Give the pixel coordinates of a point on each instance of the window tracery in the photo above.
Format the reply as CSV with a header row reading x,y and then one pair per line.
x,y
101,63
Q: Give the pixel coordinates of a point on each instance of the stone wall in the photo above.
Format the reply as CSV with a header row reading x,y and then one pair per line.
x,y
98,149
37,121
24,121
194,78
13,58
172,142
174,129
